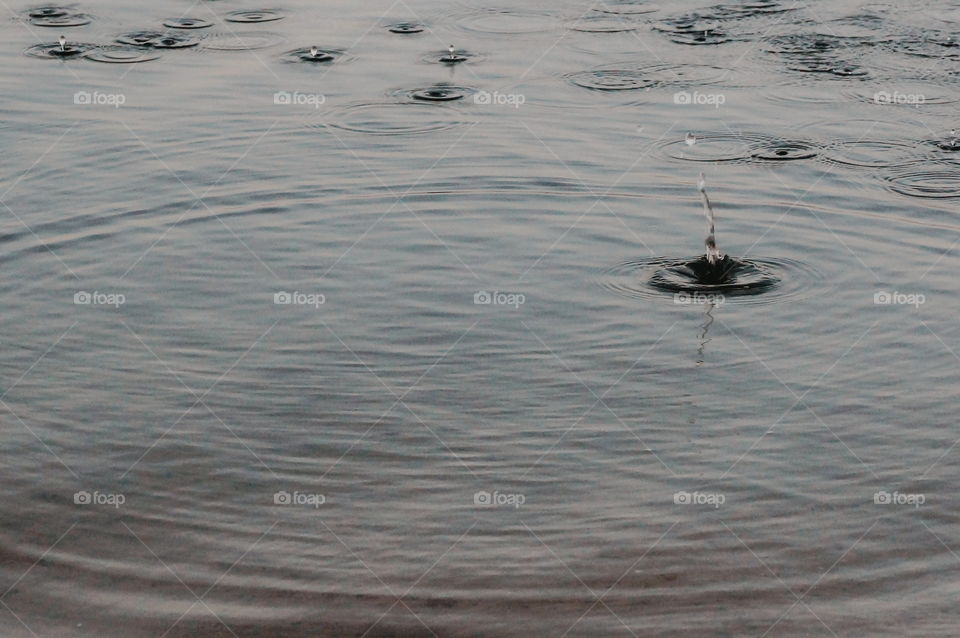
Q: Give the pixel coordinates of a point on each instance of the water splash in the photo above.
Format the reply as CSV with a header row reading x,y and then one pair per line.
x,y
713,253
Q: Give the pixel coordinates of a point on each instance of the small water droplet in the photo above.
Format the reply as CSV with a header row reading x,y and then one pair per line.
x,y
691,139
63,42
639,129
451,49
701,182
313,52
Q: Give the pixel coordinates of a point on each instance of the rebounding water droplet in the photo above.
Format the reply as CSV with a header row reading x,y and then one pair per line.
x,y
713,253
63,42
451,50
313,52
691,139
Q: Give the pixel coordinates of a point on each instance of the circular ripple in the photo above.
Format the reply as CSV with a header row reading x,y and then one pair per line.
x,y
626,7
628,79
819,53
48,12
313,55
696,38
748,280
602,24
507,22
911,94
241,42
253,17
121,55
435,93
52,50
715,147
786,150
406,28
158,40
68,20
746,10
187,23
936,45
395,118
459,56
928,184
861,153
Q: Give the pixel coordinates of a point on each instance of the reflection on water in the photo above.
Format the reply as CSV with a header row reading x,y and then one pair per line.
x,y
308,332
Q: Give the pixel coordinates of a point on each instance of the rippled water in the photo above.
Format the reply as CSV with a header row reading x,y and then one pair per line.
x,y
366,343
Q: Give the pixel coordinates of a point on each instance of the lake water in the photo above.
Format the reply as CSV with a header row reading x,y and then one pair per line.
x,y
360,343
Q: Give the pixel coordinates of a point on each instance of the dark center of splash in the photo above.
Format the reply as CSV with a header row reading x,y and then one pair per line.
x,y
406,28
187,23
312,55
53,51
252,17
787,150
727,275
750,280
157,40
438,94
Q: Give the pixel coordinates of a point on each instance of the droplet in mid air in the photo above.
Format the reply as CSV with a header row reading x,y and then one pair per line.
x,y
691,139
313,52
63,42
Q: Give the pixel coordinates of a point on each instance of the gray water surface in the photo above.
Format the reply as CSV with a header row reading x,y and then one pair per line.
x,y
184,454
